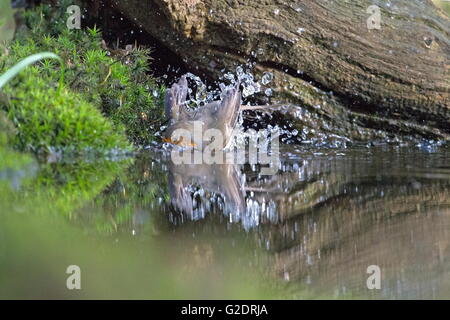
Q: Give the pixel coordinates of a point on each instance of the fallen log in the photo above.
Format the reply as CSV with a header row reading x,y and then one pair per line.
x,y
328,59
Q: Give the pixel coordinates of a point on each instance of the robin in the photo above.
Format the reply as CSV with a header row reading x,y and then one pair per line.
x,y
220,115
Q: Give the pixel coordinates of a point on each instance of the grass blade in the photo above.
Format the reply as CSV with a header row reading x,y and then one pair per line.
x,y
11,73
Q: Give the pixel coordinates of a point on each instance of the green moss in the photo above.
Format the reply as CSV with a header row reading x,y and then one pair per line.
x,y
7,130
10,159
13,160
117,82
134,189
69,186
47,119
97,83
66,186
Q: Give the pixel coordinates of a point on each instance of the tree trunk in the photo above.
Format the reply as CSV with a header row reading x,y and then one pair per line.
x,y
345,78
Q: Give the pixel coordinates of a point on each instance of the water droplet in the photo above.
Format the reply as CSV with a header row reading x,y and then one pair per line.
x,y
248,91
239,72
229,76
267,78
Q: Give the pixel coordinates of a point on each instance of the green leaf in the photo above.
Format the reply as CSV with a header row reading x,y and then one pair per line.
x,y
11,73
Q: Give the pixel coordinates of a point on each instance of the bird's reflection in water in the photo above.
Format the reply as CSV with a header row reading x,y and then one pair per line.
x,y
326,217
319,222
198,189
195,188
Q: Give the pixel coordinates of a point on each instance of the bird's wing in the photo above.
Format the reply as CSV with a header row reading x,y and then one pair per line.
x,y
180,197
234,191
169,102
175,100
229,107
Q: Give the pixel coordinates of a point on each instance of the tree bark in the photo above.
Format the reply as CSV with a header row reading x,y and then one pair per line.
x,y
347,79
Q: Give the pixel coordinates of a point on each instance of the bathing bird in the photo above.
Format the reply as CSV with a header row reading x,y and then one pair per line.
x,y
220,115
220,179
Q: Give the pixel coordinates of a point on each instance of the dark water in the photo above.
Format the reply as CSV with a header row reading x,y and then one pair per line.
x,y
145,228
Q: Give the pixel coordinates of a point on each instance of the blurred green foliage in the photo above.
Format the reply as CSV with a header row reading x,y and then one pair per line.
x,y
9,159
7,22
37,251
445,5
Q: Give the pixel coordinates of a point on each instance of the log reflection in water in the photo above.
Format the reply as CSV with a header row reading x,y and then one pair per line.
x,y
332,216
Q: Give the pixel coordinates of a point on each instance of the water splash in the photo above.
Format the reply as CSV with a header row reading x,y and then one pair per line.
x,y
253,89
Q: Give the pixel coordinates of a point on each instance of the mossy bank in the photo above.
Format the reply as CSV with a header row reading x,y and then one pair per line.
x,y
9,159
107,100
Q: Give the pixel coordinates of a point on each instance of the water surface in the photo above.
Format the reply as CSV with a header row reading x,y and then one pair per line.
x,y
145,228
